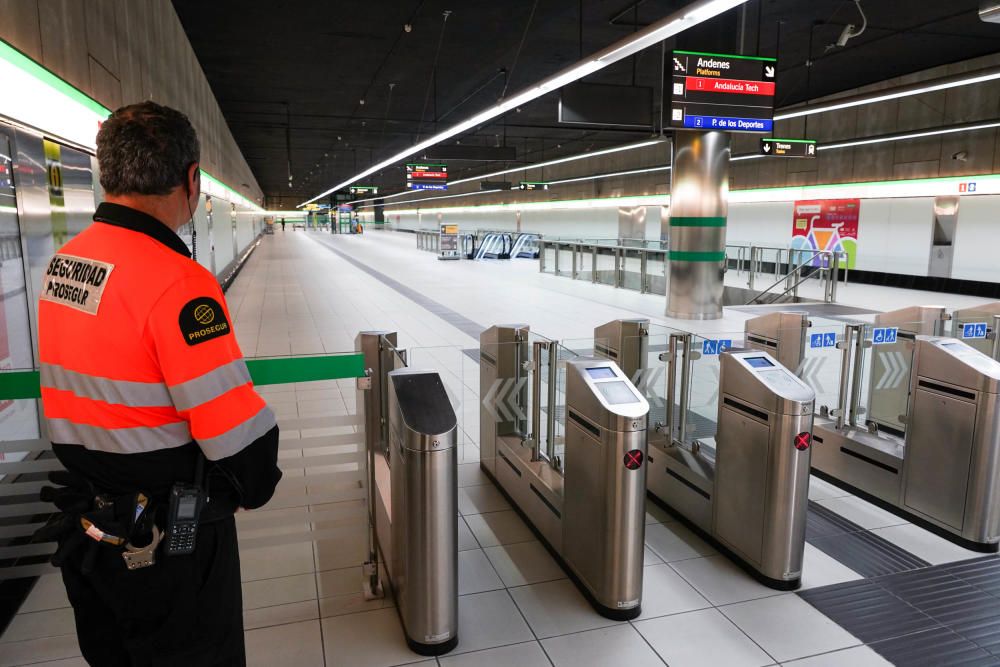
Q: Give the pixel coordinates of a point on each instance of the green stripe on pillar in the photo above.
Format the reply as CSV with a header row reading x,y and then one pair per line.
x,y
681,221
685,256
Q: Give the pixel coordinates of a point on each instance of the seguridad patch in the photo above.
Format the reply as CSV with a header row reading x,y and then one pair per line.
x,y
76,282
203,319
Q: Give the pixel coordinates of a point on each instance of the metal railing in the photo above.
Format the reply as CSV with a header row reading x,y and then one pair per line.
x,y
642,266
818,264
429,240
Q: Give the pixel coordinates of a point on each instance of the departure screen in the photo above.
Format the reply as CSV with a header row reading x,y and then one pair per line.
x,y
759,362
602,373
616,393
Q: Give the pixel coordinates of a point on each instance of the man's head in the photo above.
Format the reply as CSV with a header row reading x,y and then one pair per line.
x,y
149,158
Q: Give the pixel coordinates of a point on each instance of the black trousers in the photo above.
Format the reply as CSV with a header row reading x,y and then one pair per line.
x,y
184,610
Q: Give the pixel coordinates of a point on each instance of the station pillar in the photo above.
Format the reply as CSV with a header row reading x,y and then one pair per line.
x,y
699,205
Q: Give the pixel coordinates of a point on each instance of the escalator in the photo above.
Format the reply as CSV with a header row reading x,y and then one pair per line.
x,y
503,245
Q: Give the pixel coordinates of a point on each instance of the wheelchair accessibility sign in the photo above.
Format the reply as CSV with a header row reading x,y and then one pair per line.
x,y
715,346
884,335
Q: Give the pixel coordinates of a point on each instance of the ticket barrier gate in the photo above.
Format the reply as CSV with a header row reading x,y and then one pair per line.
x,y
411,437
587,504
944,471
746,491
987,316
887,410
782,335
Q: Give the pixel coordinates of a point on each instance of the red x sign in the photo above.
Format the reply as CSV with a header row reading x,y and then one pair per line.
x,y
633,459
803,440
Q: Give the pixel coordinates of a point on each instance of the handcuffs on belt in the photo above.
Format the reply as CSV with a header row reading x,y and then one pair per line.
x,y
114,521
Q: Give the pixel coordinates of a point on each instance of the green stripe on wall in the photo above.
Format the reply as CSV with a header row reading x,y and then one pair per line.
x,y
685,256
681,221
17,385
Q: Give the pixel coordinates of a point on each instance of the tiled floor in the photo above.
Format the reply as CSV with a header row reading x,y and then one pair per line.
x,y
303,601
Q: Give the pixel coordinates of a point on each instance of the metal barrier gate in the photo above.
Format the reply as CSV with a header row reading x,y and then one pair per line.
x,y
583,490
742,481
411,440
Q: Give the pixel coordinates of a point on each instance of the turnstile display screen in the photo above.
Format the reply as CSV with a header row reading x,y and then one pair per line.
x,y
602,373
616,393
759,362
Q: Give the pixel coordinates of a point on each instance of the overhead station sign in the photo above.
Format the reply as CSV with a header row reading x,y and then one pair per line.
x,y
712,91
364,190
788,147
422,176
533,185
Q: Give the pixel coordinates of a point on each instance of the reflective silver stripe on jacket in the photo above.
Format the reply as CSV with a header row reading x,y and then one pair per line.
x,y
132,440
117,392
211,385
235,439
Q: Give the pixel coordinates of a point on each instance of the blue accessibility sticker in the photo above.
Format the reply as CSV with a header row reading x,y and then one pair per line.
x,y
884,335
974,330
710,346
828,339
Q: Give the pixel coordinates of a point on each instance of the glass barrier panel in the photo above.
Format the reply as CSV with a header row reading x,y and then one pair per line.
x,y
565,265
656,272
606,266
548,254
632,269
585,263
883,387
703,387
822,360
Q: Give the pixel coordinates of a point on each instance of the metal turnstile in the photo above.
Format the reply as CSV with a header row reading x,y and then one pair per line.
x,y
945,473
747,490
411,434
587,504
748,493
887,406
782,335
624,342
987,316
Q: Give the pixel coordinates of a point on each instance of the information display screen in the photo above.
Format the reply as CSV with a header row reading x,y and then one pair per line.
x,y
617,393
602,373
712,91
759,362
421,176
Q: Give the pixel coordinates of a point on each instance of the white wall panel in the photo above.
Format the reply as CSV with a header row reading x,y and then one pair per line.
x,y
977,239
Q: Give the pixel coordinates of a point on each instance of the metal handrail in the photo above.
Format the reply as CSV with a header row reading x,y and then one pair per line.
x,y
802,277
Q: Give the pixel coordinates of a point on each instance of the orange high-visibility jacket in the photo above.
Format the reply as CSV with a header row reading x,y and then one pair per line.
x,y
137,348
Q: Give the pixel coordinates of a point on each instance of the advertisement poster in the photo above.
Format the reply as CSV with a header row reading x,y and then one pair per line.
x,y
827,224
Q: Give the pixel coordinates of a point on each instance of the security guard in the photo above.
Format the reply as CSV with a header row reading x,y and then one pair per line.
x,y
145,392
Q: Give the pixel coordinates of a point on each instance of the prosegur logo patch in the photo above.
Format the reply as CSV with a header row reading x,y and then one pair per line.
x,y
203,319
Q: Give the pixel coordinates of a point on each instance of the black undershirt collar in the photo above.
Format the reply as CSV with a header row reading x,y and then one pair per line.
x,y
137,221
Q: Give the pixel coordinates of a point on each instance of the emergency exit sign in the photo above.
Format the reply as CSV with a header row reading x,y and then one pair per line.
x,y
788,147
714,91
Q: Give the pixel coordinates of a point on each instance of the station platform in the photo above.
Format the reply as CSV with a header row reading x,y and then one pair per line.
x,y
876,590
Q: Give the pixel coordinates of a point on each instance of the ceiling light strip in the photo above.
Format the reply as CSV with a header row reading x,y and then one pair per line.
x,y
944,83
677,22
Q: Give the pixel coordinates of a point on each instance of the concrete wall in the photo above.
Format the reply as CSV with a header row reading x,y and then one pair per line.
x,y
125,51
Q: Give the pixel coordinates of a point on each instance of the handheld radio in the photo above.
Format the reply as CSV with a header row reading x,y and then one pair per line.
x,y
186,503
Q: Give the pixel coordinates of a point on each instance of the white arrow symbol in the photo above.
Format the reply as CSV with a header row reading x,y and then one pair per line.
x,y
767,147
808,370
511,400
769,71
